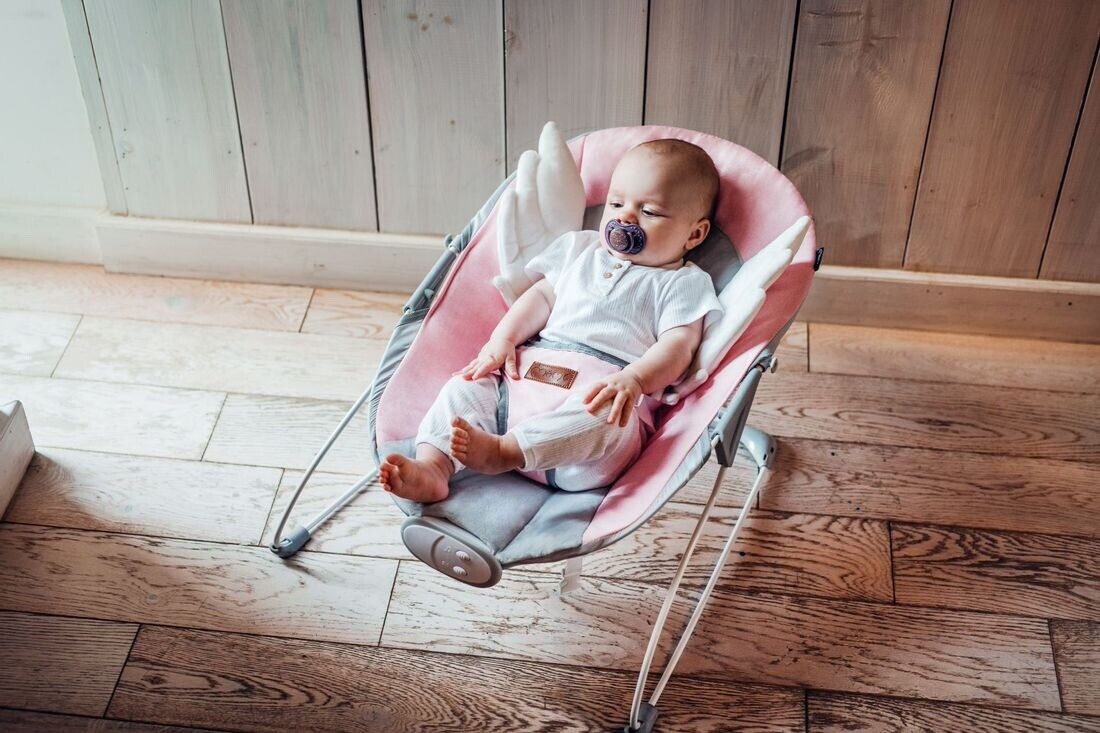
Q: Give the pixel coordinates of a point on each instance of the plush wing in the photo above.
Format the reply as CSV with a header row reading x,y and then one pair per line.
x,y
741,299
546,202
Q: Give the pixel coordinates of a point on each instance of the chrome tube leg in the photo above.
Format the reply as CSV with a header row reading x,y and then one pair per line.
x,y
670,596
288,546
720,563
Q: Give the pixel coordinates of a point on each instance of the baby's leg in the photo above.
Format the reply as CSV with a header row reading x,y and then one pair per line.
x,y
425,478
583,449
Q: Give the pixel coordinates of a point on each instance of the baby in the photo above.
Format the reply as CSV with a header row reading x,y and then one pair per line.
x,y
644,307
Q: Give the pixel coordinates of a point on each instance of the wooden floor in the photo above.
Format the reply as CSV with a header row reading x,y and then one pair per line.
x,y
926,556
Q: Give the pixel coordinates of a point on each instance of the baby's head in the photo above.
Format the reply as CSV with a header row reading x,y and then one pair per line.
x,y
667,187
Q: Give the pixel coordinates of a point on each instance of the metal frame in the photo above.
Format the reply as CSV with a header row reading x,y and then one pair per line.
x,y
731,431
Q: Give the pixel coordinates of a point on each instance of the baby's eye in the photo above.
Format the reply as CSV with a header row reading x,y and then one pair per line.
x,y
615,205
650,213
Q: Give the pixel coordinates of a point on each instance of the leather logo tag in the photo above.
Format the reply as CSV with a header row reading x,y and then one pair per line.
x,y
558,376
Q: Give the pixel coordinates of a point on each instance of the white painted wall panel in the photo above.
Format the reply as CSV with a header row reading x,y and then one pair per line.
x,y
302,104
165,76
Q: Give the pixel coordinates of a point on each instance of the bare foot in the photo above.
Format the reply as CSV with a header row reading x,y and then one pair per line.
x,y
422,480
484,452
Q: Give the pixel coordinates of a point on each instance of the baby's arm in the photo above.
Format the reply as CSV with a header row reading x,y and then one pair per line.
x,y
524,319
661,365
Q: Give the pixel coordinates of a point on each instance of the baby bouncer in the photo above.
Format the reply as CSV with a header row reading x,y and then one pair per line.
x,y
761,256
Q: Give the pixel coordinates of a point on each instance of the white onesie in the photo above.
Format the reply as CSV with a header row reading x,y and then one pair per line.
x,y
612,304
602,302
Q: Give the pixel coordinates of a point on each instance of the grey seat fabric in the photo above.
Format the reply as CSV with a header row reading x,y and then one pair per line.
x,y
523,521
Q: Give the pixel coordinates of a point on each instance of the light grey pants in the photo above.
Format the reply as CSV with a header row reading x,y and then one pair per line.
x,y
577,449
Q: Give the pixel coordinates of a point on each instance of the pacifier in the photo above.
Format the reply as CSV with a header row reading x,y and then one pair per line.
x,y
626,238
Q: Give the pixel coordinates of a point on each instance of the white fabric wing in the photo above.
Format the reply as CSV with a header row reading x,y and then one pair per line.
x,y
546,202
742,299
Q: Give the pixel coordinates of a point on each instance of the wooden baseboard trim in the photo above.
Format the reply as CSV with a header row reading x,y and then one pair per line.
x,y
997,306
267,254
57,233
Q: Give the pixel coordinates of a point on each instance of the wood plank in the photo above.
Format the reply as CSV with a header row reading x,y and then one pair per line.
x,y
88,73
115,418
862,87
597,79
64,665
1077,652
725,75
87,289
354,313
220,358
839,713
603,624
815,556
1023,574
1072,252
1024,66
166,84
195,584
794,349
825,644
342,688
966,359
287,433
877,649
935,487
808,555
32,343
146,496
997,306
302,104
435,73
1018,422
21,721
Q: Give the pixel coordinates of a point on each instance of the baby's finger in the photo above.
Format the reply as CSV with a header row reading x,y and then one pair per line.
x,y
510,366
624,418
605,394
617,407
592,392
467,370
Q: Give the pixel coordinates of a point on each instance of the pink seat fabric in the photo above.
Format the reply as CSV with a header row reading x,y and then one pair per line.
x,y
756,203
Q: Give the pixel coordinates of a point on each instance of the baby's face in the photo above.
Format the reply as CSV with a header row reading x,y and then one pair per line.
x,y
642,192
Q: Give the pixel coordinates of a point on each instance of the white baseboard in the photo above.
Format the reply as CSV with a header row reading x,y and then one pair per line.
x,y
56,233
268,254
996,306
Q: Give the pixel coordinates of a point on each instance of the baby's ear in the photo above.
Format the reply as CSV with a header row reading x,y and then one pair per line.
x,y
699,233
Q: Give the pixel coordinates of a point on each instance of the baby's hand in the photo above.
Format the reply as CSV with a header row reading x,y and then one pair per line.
x,y
493,354
623,388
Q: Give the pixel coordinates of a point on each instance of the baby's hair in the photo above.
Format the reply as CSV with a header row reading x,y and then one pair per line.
x,y
693,165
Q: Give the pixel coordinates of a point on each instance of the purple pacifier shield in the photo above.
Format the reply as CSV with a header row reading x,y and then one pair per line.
x,y
626,238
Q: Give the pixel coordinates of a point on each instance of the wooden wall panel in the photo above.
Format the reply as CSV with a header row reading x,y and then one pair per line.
x,y
165,76
721,68
1014,73
1073,251
84,56
437,109
578,63
302,99
861,94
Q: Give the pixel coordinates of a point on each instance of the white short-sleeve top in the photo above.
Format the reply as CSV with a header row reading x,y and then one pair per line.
x,y
615,305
